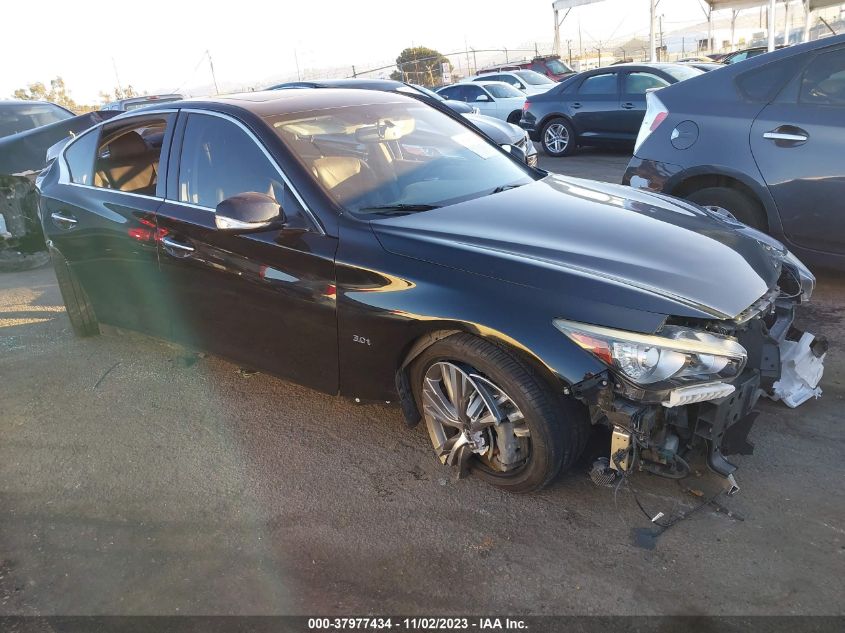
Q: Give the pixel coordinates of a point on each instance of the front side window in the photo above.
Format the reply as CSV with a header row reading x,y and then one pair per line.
x,y
503,91
604,84
220,160
395,157
640,83
471,93
824,80
453,93
128,155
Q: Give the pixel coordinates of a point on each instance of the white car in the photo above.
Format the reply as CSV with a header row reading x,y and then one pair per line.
x,y
528,81
492,98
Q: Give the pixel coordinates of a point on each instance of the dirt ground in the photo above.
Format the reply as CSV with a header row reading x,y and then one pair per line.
x,y
138,479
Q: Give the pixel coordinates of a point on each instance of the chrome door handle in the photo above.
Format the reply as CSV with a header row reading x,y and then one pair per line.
x,y
785,136
63,221
576,105
628,106
177,249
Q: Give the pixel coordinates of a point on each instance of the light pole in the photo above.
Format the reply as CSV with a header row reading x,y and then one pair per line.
x,y
772,6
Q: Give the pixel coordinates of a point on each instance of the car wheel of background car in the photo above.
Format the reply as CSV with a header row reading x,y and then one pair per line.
x,y
557,138
514,117
79,308
734,202
489,412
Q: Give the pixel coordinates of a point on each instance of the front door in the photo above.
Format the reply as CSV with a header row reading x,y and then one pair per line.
x,y
264,299
798,142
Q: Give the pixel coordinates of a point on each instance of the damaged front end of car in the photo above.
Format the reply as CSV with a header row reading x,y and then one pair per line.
x,y
690,389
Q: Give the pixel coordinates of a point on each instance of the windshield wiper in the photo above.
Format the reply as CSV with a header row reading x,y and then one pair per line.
x,y
502,188
389,209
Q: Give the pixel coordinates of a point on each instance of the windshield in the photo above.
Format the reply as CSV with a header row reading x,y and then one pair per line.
x,y
557,66
682,72
532,78
502,91
396,157
16,118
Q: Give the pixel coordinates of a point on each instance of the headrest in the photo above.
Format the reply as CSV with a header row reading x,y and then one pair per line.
x,y
127,146
333,170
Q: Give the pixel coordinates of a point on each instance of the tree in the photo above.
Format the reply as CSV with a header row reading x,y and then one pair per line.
x,y
119,93
57,94
420,65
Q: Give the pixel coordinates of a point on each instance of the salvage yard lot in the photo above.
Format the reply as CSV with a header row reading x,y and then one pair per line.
x,y
138,478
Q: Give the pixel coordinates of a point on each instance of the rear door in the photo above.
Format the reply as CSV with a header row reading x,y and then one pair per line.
x,y
798,141
595,107
101,217
635,85
265,299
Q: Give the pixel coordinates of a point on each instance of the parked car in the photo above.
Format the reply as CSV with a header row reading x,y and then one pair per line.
x,y
762,140
695,59
139,102
493,98
549,65
704,66
604,106
366,244
20,116
22,156
526,81
500,132
746,53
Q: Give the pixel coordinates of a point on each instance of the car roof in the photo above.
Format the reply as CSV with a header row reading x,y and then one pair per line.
x,y
371,84
275,102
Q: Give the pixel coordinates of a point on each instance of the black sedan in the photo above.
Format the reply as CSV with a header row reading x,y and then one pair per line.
x,y
366,244
762,140
604,106
500,132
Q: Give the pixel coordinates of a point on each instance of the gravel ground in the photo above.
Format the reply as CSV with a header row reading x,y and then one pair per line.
x,y
136,478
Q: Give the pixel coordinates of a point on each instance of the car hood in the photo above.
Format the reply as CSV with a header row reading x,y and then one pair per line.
x,y
604,242
500,131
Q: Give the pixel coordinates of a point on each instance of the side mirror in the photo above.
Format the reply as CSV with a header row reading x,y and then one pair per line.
x,y
482,98
248,211
517,152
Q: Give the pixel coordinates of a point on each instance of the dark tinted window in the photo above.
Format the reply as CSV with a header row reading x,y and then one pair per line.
x,y
640,83
80,158
824,80
454,93
19,117
604,84
763,83
219,160
471,93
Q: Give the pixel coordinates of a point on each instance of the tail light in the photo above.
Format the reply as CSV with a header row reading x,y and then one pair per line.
x,y
655,114
526,105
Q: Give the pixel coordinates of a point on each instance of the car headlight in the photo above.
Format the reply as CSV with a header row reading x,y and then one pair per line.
x,y
675,356
805,279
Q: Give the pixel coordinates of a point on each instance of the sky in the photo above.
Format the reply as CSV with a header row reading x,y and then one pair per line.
x,y
158,45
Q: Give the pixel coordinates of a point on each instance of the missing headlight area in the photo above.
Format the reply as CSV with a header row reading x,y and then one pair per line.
x,y
690,390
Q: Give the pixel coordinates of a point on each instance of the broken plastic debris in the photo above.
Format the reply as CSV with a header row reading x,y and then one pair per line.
x,y
801,371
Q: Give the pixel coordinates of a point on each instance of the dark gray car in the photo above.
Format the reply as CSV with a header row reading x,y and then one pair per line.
x,y
762,140
604,106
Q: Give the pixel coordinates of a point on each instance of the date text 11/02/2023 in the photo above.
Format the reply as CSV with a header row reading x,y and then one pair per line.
x,y
416,624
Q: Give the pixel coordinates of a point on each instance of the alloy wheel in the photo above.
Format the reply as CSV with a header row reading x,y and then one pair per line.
x,y
468,414
556,138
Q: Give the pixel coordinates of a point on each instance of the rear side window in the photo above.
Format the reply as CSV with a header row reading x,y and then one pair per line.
x,y
764,83
79,157
219,160
640,83
452,93
128,153
471,93
824,80
599,85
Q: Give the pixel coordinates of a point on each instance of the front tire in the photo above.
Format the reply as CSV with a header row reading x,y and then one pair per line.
x,y
558,138
487,409
735,202
78,305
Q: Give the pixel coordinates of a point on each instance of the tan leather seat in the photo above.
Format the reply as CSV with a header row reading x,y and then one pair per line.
x,y
131,166
347,178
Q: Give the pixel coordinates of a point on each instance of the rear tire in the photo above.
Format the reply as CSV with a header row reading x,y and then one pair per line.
x,y
78,306
514,117
558,138
556,426
738,204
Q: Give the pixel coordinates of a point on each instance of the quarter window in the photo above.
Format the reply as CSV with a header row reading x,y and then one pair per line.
x,y
220,160
128,155
599,85
824,80
640,83
79,157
